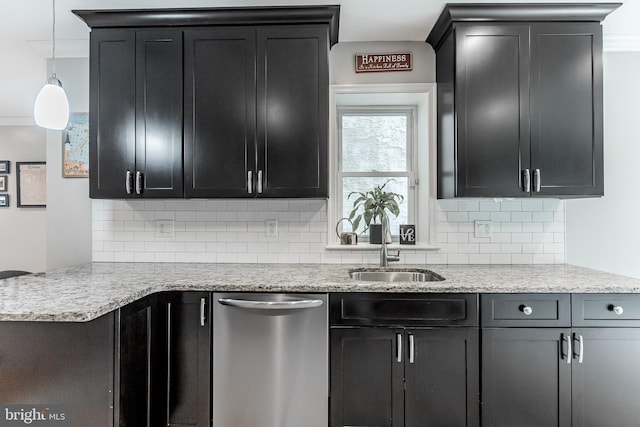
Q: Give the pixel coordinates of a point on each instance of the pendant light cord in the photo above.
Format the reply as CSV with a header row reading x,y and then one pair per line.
x,y
53,65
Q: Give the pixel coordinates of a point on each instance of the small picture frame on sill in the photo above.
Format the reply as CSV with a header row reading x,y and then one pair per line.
x,y
3,183
407,234
5,166
4,200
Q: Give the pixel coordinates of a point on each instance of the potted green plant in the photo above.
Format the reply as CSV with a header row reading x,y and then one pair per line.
x,y
370,206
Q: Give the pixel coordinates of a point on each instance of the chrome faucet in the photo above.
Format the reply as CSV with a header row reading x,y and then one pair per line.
x,y
385,258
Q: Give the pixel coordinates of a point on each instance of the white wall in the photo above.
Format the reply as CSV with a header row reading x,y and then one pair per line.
x,y
605,233
68,203
22,230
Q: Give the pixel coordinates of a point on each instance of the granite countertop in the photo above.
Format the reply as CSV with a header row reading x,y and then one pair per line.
x,y
86,292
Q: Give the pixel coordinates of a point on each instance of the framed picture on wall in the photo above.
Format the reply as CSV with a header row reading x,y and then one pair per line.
x,y
31,184
75,147
5,166
3,183
4,200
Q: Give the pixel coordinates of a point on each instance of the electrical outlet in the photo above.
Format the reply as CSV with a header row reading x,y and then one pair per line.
x,y
165,229
271,228
483,229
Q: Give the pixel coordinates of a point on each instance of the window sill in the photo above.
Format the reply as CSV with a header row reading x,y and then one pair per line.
x,y
392,246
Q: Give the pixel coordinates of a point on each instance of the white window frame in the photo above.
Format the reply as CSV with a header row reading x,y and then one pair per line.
x,y
424,96
411,160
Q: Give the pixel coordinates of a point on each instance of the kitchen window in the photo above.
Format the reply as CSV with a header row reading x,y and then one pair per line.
x,y
376,146
381,132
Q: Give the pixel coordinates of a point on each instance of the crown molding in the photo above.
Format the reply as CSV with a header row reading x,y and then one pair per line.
x,y
621,43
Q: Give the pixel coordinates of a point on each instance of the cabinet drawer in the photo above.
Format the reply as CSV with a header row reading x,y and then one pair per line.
x,y
404,309
525,310
606,310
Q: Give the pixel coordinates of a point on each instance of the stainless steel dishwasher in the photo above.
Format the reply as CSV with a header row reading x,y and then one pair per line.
x,y
270,360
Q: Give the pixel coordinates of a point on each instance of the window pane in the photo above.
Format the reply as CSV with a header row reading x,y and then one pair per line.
x,y
374,143
363,184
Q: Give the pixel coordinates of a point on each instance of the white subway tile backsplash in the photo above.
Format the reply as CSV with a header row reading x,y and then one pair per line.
x,y
524,231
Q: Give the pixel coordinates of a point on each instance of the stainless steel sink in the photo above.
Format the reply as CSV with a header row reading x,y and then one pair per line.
x,y
395,275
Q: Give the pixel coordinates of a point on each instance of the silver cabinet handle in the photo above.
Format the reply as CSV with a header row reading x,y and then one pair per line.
x,y
271,305
537,180
580,354
618,310
203,315
412,349
526,181
569,353
250,182
526,310
259,184
399,348
138,182
127,182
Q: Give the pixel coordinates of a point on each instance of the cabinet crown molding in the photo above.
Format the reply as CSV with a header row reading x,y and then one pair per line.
x,y
518,12
186,17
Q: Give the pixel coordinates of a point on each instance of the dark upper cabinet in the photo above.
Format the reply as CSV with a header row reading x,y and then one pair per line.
x,y
520,100
136,115
112,130
293,111
252,120
219,111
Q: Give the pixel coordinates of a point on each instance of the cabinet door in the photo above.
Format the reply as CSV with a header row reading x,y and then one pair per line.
x,y
189,367
219,112
159,112
293,110
442,377
492,104
526,377
141,359
606,382
367,369
112,118
566,108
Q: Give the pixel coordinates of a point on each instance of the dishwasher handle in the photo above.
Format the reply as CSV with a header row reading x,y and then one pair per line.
x,y
271,305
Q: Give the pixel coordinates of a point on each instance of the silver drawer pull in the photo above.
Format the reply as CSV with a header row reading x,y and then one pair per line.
x,y
399,348
528,311
250,182
526,181
569,354
617,310
203,313
412,349
127,182
537,180
259,183
138,182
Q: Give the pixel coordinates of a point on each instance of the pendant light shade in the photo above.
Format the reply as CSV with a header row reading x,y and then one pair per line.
x,y
51,109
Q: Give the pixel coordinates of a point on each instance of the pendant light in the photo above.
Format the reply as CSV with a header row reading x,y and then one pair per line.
x,y
51,109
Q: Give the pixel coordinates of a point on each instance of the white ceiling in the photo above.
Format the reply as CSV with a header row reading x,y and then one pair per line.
x,y
360,20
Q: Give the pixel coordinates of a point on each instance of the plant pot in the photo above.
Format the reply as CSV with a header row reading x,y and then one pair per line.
x,y
375,234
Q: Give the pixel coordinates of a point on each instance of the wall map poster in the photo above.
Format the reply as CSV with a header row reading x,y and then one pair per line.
x,y
75,147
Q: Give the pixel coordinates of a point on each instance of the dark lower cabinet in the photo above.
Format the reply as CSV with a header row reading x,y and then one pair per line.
x,y
585,375
65,366
404,377
140,378
367,379
526,380
189,359
606,382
